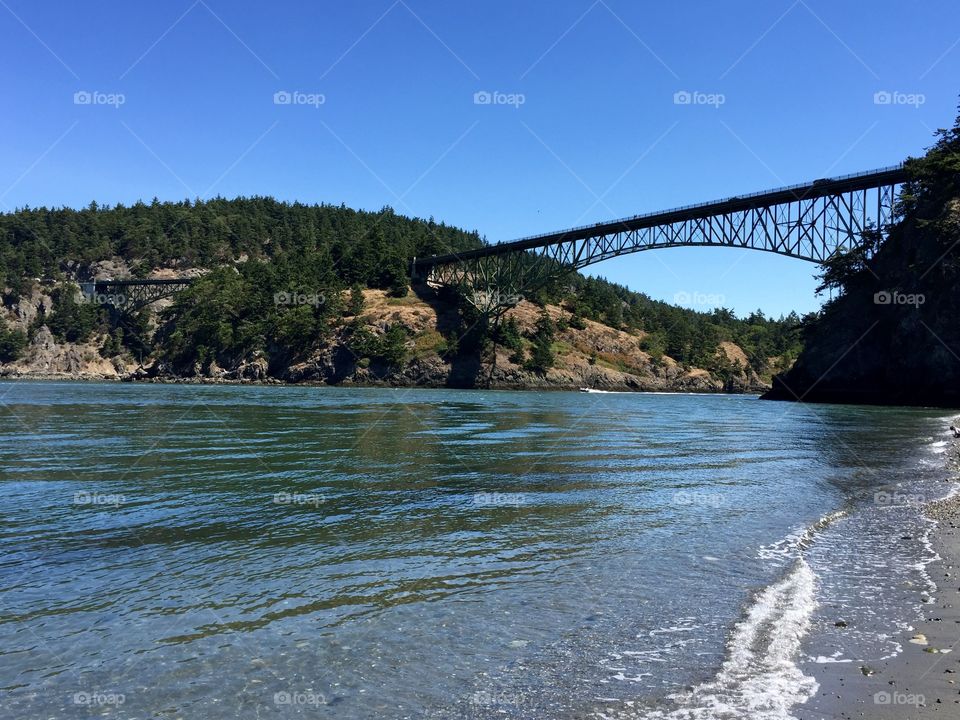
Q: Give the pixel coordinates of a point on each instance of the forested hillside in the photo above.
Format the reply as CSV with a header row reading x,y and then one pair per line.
x,y
352,246
282,283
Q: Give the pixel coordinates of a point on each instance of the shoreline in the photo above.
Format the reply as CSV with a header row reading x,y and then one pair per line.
x,y
547,386
923,679
275,382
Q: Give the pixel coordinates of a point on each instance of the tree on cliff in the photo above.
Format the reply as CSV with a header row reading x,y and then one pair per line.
x,y
542,357
891,335
12,342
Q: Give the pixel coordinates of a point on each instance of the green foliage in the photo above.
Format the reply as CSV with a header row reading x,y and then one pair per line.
x,y
136,334
296,329
371,248
934,182
73,321
12,342
363,343
851,269
867,347
357,302
113,343
690,337
542,357
507,334
219,318
390,349
654,344
394,279
296,251
394,346
280,308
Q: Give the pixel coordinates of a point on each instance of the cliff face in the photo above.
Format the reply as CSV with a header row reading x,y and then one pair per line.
x,y
595,355
893,335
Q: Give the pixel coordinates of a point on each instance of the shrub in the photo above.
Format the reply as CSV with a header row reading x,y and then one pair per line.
x,y
12,343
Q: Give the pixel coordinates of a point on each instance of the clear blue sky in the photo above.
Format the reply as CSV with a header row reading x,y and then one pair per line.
x,y
598,134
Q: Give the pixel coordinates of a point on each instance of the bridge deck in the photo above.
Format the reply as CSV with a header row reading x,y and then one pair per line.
x,y
143,283
805,191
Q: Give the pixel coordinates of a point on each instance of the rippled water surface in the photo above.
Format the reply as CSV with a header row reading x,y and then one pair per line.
x,y
220,552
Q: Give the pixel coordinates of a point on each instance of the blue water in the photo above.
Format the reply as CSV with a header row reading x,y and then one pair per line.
x,y
220,552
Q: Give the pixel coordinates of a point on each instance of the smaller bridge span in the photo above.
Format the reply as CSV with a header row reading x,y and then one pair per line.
x,y
131,295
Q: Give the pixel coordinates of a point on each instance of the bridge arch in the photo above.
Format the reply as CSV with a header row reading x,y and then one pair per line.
x,y
810,221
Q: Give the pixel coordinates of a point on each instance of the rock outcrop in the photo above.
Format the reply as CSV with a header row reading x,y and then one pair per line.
x,y
893,336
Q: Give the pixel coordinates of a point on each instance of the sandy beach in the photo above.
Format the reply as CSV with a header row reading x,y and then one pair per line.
x,y
924,679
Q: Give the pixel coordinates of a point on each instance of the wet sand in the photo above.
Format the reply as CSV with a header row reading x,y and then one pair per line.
x,y
923,681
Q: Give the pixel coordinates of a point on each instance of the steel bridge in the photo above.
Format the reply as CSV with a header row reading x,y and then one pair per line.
x,y
810,221
131,295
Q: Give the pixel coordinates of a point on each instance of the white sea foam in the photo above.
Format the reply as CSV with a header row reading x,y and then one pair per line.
x,y
939,447
760,678
799,540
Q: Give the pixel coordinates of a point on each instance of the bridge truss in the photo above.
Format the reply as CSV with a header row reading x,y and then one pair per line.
x,y
131,295
811,222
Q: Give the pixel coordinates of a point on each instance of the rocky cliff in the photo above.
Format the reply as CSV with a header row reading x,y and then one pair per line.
x,y
595,355
892,336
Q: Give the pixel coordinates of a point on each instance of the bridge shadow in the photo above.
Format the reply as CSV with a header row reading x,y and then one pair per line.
x,y
465,364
